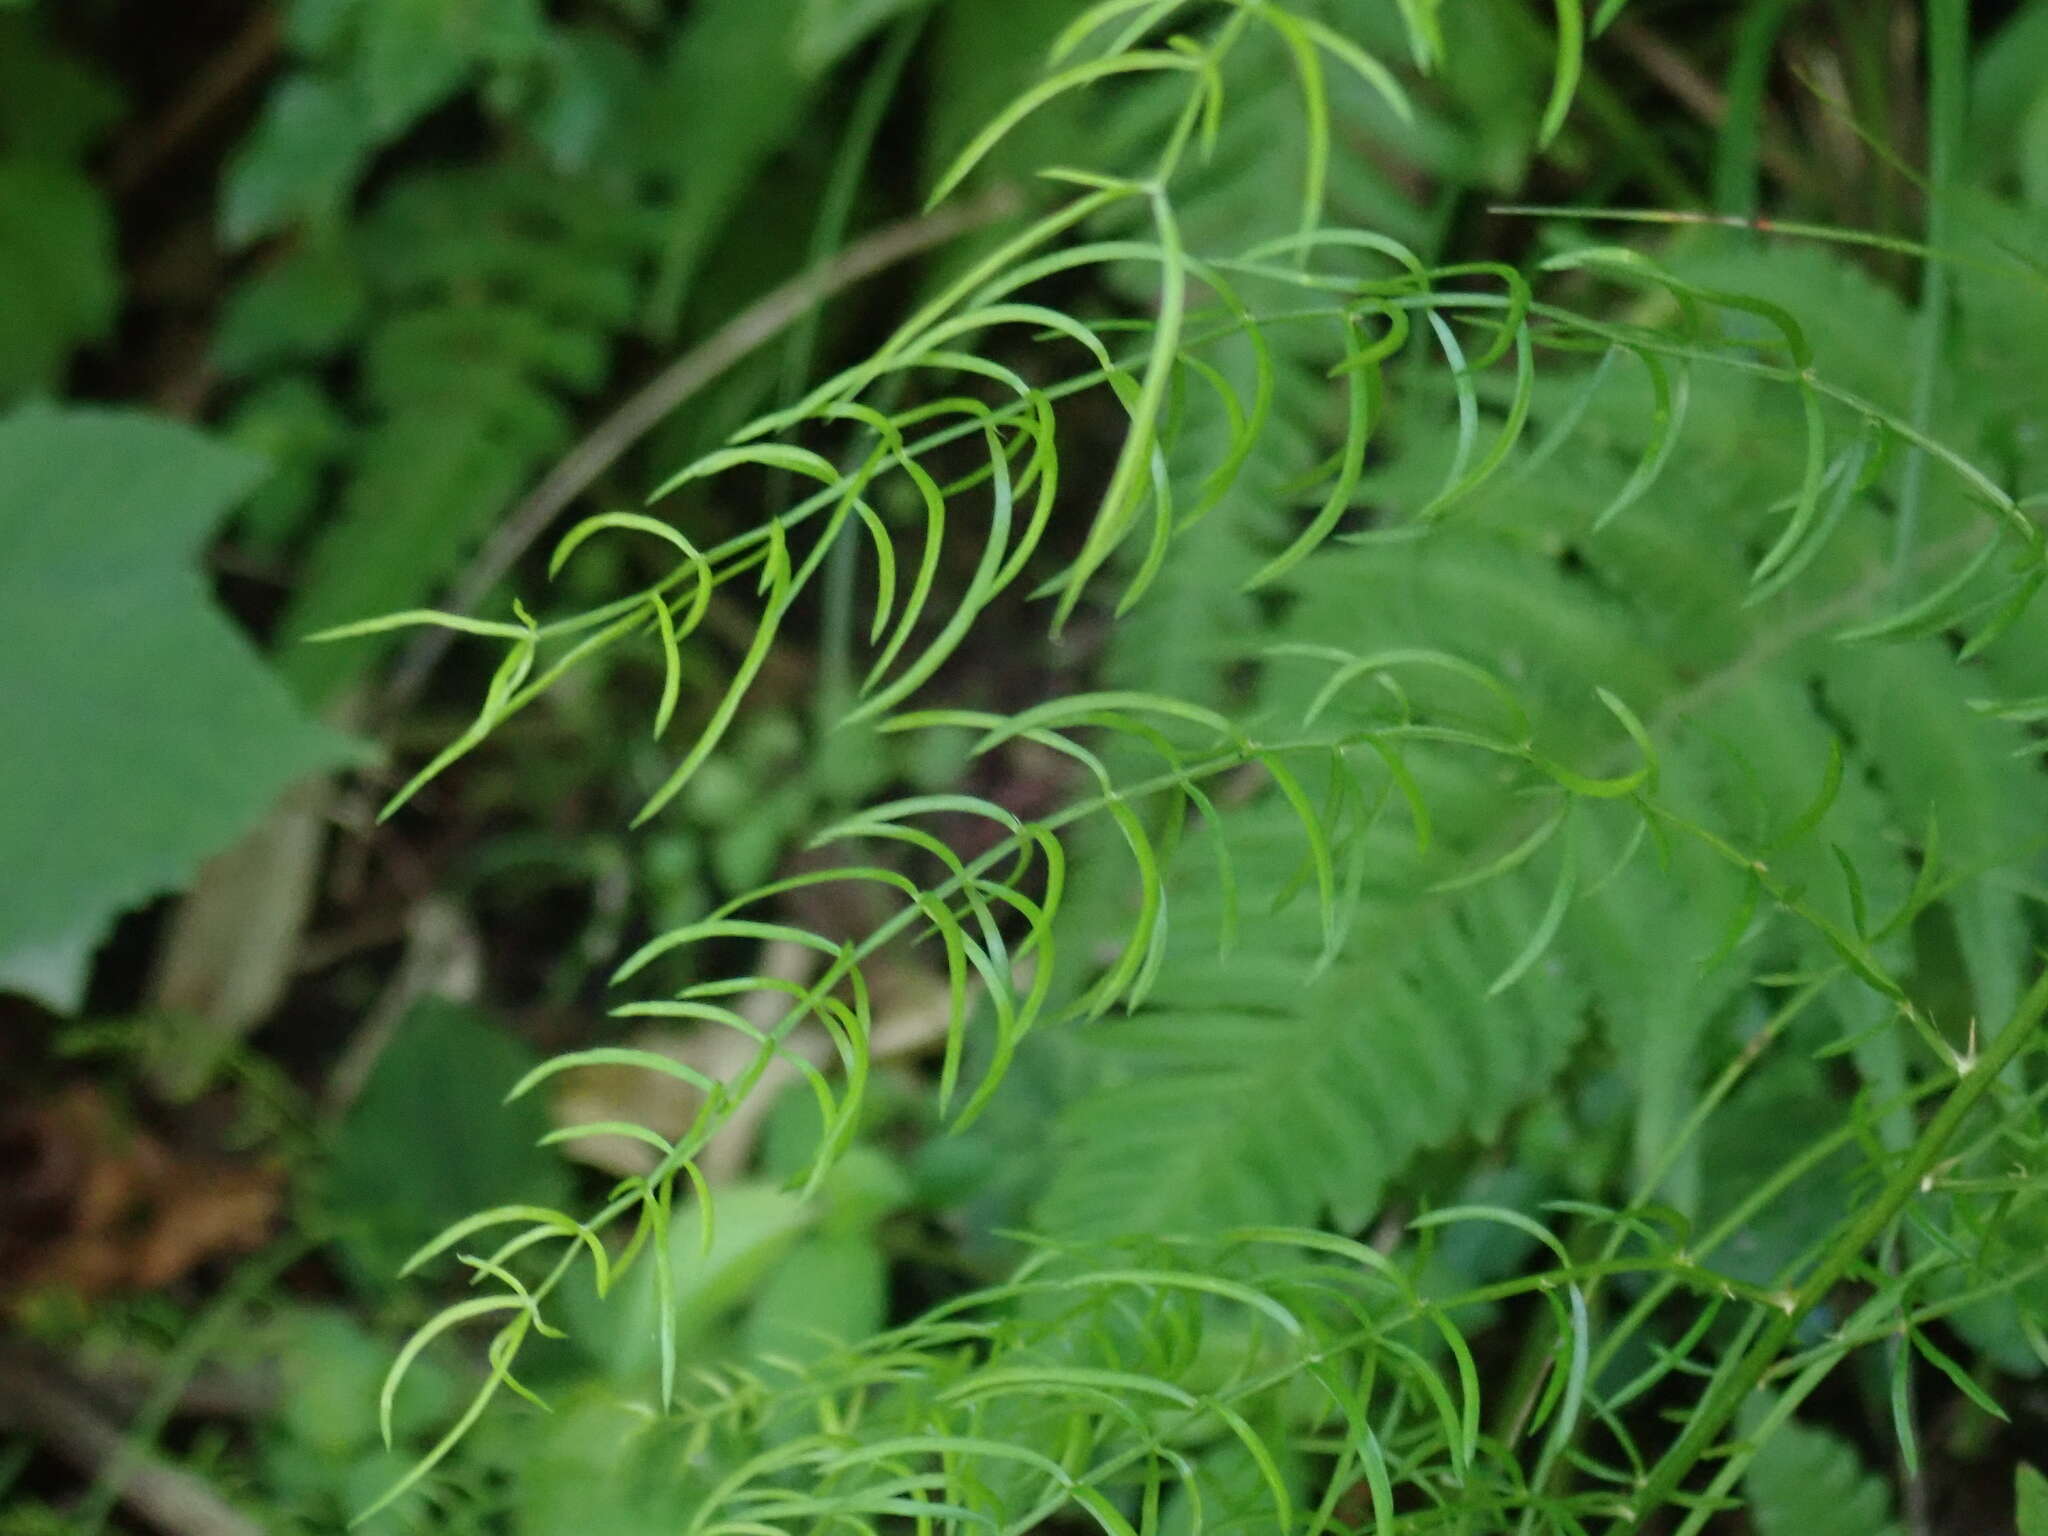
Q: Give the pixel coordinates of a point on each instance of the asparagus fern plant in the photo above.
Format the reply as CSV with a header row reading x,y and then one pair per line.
x,y
1529,692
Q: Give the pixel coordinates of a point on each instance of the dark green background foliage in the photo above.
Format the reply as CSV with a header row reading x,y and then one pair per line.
x,y
916,765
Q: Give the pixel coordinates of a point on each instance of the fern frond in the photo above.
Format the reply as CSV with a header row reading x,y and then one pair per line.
x,y
1394,1048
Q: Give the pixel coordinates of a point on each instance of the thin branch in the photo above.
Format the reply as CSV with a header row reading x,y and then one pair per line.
x,y
245,60
1670,68
38,1401
608,442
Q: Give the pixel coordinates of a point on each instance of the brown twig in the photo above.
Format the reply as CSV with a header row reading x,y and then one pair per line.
x,y
608,441
1670,69
245,60
39,1401
1699,95
125,1380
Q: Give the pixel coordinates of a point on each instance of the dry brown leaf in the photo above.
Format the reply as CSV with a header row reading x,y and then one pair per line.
x,y
96,1206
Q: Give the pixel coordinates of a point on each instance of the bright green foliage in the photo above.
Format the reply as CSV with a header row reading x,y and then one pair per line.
x,y
482,302
495,294
1180,640
158,734
1517,671
1393,1048
1557,794
828,29
1399,1045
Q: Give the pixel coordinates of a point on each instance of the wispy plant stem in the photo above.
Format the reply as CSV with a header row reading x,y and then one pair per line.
x,y
1740,151
647,407
1948,57
1911,1177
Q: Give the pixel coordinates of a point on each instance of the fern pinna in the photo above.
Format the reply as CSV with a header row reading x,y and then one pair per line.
x,y
1586,697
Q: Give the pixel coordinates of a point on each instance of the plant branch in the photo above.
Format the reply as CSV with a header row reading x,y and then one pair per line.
x,y
40,1402
246,59
1722,1403
609,440
1670,68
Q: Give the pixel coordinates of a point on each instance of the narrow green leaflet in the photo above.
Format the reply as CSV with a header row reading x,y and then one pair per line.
x,y
2030,1495
145,731
827,30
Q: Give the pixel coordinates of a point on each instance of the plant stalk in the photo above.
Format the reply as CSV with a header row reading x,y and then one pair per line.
x,y
1722,1403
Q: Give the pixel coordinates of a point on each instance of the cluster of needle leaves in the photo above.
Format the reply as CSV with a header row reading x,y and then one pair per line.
x,y
1632,702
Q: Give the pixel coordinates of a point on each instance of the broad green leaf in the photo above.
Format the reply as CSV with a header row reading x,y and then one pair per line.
x,y
830,1289
828,30
291,422
330,1366
412,54
707,140
56,270
147,734
754,1225
593,1465
984,56
864,1186
2033,152
588,81
52,106
1808,1481
430,1140
54,970
2007,77
321,27
304,308
300,162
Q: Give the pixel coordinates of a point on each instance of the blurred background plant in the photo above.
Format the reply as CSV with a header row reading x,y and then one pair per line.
x,y
325,308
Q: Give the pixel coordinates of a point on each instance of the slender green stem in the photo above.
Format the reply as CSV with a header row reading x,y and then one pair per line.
x,y
835,659
1948,59
199,1342
1714,1414
1739,155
